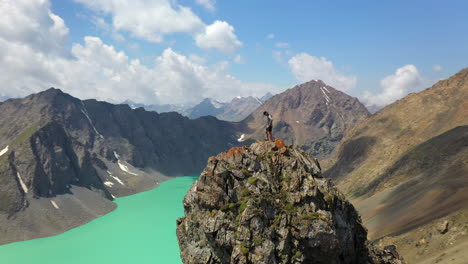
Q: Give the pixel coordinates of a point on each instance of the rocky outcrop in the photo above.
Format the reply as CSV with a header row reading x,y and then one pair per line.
x,y
268,203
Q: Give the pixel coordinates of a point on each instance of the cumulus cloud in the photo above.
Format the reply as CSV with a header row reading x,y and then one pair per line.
x,y
270,36
208,4
31,22
148,20
395,86
97,70
306,67
197,59
219,35
437,68
152,20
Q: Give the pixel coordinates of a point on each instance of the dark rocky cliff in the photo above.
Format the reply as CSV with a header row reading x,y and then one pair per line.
x,y
63,160
268,203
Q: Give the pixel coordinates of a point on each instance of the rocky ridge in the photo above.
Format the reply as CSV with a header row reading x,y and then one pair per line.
x,y
63,160
268,203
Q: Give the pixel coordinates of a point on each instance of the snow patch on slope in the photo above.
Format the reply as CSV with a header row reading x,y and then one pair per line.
x,y
54,204
5,150
325,95
109,184
85,113
216,103
123,166
115,178
23,186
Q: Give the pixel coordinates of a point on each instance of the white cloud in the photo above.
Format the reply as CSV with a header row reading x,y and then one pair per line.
x,y
197,59
208,4
270,36
437,68
282,45
306,67
239,59
31,22
405,80
219,35
31,36
148,20
107,28
97,70
152,20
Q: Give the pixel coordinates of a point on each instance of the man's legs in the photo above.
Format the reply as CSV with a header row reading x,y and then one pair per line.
x,y
270,135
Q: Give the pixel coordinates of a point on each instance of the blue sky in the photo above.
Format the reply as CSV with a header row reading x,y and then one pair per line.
x,y
377,51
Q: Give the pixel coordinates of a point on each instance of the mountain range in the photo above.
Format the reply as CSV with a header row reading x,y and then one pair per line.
x,y
160,108
236,110
406,167
63,160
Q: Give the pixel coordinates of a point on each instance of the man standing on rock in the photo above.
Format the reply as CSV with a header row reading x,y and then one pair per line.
x,y
269,126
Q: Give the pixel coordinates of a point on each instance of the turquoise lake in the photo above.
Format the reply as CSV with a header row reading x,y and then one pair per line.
x,y
141,230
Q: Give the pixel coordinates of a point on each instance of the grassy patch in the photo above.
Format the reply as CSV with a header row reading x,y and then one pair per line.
x,y
289,209
244,250
285,178
258,241
297,255
246,172
24,136
244,192
228,207
311,216
213,213
253,180
242,208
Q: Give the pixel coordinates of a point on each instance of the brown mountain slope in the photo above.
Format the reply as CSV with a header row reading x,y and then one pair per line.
x,y
406,165
312,115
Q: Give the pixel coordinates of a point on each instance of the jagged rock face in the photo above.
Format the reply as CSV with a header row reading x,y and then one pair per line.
x,y
268,203
312,115
53,146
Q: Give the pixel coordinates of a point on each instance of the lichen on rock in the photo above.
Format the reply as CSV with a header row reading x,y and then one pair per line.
x,y
268,203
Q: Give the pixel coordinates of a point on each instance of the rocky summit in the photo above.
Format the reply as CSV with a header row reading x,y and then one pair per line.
x,y
268,203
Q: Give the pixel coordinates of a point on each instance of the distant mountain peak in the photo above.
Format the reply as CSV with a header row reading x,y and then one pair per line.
x,y
313,115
